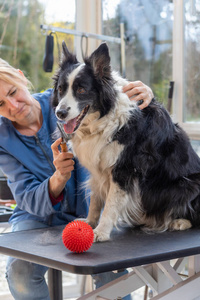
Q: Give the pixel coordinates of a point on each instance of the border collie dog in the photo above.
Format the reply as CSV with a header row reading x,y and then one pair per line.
x,y
143,169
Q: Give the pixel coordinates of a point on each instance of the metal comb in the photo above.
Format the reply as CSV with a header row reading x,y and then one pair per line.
x,y
65,137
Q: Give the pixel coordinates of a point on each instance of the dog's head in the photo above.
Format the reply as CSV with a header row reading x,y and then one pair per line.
x,y
83,88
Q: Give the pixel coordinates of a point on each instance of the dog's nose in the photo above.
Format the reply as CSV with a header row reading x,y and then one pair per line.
x,y
62,113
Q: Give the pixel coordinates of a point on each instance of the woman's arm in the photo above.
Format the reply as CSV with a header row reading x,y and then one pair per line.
x,y
31,192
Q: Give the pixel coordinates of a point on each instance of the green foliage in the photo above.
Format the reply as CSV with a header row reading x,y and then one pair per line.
x,y
161,90
22,43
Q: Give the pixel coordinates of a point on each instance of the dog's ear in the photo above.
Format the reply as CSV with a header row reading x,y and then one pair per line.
x,y
100,61
67,56
67,60
54,98
65,49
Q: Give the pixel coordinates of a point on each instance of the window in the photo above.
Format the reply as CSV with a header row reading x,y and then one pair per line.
x,y
186,54
191,106
162,45
148,32
22,42
196,146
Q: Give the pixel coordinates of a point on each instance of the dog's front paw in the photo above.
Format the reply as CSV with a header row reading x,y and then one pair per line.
x,y
100,236
93,224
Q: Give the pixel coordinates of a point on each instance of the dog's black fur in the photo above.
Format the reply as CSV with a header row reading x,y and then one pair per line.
x,y
156,154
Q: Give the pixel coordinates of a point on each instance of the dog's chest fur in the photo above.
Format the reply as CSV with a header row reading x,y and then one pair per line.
x,y
93,143
94,146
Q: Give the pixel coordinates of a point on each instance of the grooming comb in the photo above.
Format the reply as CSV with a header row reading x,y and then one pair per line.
x,y
65,137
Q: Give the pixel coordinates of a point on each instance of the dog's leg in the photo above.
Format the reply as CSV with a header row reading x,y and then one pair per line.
x,y
115,202
94,211
180,224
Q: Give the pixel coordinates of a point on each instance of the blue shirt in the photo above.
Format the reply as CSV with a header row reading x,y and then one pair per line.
x,y
27,163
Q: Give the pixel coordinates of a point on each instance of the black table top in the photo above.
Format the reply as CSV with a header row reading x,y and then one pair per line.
x,y
127,248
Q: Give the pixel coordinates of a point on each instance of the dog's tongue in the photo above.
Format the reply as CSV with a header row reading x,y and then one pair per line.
x,y
70,126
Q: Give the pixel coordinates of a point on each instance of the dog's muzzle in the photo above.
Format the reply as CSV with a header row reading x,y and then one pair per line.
x,y
62,113
71,125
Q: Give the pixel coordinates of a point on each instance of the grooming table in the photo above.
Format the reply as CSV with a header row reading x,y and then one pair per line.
x,y
148,256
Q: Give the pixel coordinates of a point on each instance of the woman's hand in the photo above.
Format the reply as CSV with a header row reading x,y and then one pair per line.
x,y
62,161
64,164
137,90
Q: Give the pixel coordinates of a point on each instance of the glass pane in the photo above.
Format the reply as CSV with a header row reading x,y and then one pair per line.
x,y
196,146
22,42
148,31
192,59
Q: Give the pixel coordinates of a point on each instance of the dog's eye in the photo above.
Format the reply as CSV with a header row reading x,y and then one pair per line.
x,y
81,90
59,89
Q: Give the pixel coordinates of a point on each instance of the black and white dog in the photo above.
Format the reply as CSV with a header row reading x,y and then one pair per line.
x,y
143,168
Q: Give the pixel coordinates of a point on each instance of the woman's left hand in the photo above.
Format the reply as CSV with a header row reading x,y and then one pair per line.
x,y
137,90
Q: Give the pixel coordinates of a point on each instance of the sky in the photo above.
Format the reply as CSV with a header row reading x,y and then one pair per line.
x,y
109,7
64,10
59,10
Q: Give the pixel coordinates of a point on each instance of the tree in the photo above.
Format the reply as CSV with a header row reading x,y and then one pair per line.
x,y
22,43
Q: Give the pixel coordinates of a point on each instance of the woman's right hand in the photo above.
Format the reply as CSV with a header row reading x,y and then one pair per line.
x,y
63,161
64,164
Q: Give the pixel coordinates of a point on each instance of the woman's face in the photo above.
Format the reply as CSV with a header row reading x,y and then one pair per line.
x,y
15,104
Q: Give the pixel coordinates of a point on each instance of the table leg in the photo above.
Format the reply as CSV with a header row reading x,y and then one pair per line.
x,y
55,284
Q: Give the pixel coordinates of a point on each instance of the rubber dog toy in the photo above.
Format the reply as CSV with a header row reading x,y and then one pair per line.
x,y
78,236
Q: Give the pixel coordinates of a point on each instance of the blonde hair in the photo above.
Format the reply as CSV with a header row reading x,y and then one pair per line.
x,y
13,76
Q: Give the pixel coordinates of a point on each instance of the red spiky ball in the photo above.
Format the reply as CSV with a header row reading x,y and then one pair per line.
x,y
78,236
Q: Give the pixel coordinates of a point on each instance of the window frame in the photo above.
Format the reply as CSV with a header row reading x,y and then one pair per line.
x,y
88,19
192,128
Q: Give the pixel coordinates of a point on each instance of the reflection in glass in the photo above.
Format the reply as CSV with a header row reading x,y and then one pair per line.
x,y
196,146
148,31
192,61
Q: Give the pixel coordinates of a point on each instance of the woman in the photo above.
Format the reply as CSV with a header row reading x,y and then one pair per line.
x,y
44,181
